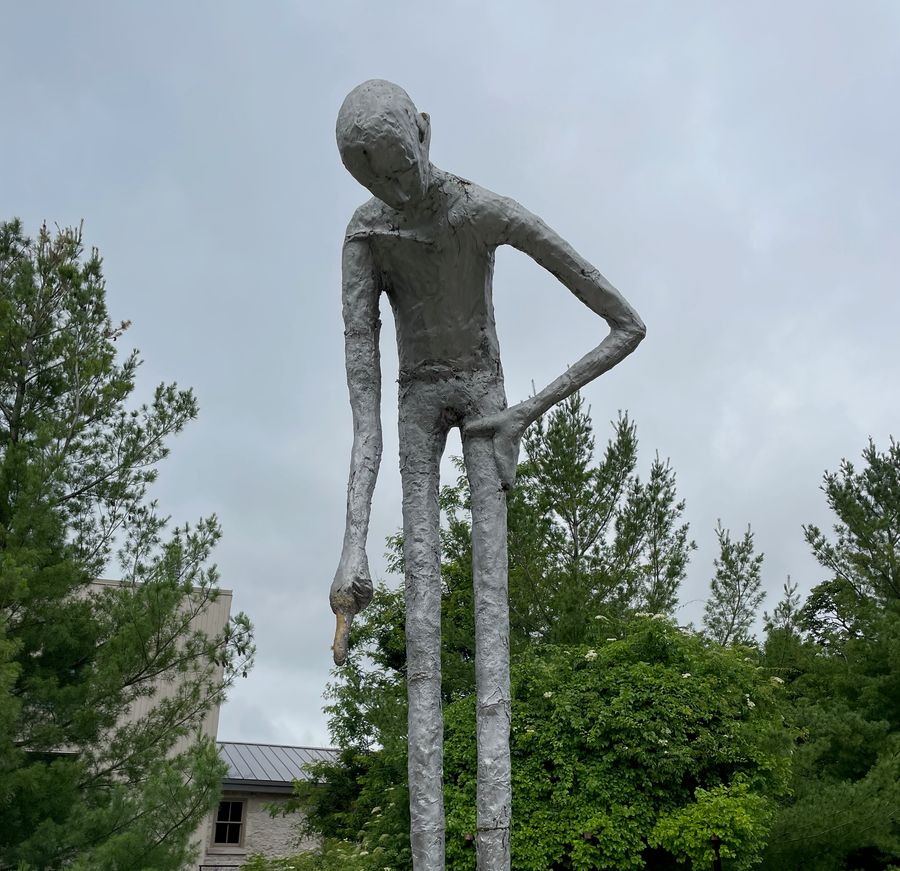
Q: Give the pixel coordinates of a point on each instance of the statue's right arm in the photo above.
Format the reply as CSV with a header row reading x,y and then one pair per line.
x,y
363,361
351,590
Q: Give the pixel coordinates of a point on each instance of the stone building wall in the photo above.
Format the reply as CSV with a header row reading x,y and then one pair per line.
x,y
262,833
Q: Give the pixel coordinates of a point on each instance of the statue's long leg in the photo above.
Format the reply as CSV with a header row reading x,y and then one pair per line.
x,y
489,562
421,446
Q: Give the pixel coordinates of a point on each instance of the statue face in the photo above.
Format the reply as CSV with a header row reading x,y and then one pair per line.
x,y
393,166
384,143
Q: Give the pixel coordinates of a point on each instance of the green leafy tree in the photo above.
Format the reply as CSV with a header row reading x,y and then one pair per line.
x,y
586,536
783,645
735,591
843,809
81,785
364,796
630,753
844,680
786,615
575,526
861,557
331,856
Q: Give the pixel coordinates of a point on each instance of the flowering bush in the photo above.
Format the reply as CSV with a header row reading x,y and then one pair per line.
x,y
630,758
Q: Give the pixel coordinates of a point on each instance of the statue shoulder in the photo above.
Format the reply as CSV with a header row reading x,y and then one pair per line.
x,y
468,194
368,220
488,211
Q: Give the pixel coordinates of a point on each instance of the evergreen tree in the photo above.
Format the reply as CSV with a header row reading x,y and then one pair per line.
x,y
81,785
783,645
651,550
736,592
590,537
862,556
844,680
786,616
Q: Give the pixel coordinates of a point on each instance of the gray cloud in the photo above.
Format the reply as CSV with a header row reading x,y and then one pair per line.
x,y
731,168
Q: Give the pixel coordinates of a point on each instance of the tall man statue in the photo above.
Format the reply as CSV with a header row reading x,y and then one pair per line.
x,y
426,240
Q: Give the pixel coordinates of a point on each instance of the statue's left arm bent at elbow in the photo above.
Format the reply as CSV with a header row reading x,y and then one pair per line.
x,y
516,226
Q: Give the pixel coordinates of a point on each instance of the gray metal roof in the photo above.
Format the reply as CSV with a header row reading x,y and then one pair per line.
x,y
270,764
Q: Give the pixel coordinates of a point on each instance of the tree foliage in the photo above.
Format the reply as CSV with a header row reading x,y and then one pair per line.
x,y
81,784
634,741
736,589
586,535
610,707
629,751
844,810
629,754
843,677
862,557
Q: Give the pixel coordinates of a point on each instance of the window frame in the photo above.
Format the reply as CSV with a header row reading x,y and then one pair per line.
x,y
225,846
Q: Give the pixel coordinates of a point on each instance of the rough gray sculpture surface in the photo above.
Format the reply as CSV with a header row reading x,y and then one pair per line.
x,y
426,241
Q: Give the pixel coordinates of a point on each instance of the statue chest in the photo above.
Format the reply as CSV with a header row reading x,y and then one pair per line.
x,y
419,266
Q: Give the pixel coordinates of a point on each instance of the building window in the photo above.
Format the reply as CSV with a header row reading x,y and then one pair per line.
x,y
229,823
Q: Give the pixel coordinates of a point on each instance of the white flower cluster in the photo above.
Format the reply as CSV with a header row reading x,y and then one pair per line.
x,y
750,703
591,655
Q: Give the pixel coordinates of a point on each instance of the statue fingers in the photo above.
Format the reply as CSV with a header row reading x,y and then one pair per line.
x,y
506,456
341,636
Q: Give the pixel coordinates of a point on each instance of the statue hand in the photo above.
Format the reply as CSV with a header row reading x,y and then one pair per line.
x,y
505,428
351,591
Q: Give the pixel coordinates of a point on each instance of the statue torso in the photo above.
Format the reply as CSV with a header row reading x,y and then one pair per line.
x,y
437,271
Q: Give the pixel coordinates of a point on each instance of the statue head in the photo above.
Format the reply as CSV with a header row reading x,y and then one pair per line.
x,y
384,142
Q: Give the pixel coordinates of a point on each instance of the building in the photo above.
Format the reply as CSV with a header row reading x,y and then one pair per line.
x,y
259,776
210,616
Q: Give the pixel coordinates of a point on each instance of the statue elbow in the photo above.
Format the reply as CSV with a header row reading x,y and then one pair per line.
x,y
633,331
639,330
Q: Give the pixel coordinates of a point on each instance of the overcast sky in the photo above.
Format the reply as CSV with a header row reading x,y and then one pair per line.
x,y
732,167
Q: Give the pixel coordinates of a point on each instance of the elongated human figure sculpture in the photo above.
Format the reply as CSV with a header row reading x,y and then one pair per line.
x,y
427,240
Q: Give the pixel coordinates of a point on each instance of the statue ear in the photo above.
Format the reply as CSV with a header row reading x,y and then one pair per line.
x,y
423,122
